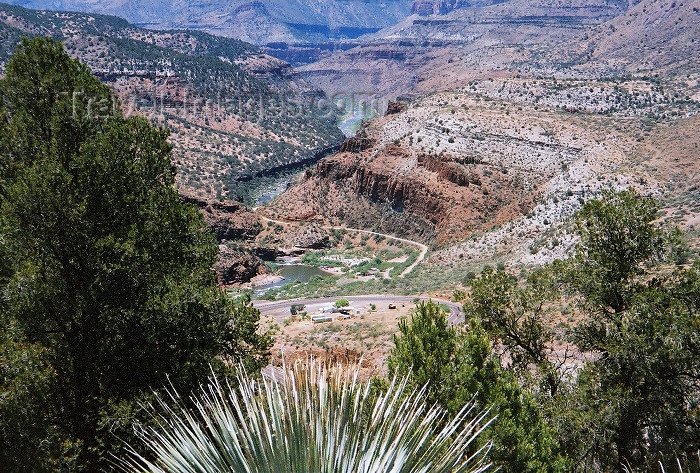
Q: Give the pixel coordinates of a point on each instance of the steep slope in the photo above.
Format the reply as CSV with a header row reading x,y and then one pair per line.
x,y
653,36
503,173
234,112
485,39
492,39
255,21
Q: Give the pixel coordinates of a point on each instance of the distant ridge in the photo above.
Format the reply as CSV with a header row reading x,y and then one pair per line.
x,y
206,89
258,21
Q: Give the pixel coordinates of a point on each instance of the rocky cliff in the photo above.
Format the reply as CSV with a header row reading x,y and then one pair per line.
x,y
229,220
447,43
455,165
235,266
394,188
236,228
442,7
260,22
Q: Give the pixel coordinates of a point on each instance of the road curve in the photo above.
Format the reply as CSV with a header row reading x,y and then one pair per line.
x,y
421,246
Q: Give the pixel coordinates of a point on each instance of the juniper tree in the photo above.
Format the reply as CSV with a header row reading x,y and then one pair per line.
x,y
105,272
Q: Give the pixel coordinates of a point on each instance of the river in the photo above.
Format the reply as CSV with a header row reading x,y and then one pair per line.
x,y
351,122
290,273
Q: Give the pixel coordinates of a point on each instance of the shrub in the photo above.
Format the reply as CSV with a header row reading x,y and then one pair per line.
x,y
313,419
342,303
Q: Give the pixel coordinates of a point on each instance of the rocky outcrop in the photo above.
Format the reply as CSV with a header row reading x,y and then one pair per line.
x,y
449,170
313,237
335,168
435,7
401,193
266,253
356,144
232,221
235,266
396,107
442,7
382,185
228,220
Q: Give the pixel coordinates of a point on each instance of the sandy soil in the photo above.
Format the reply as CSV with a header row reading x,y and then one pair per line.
x,y
365,338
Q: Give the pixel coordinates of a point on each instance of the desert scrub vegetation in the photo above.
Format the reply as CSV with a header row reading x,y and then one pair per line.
x,y
318,286
632,400
421,280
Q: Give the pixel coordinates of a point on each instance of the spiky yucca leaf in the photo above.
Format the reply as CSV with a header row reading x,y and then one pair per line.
x,y
315,419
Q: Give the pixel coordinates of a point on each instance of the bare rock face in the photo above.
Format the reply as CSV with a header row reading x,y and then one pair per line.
x,y
356,144
379,186
448,169
336,167
313,237
267,253
443,7
236,266
436,7
232,221
396,107
229,220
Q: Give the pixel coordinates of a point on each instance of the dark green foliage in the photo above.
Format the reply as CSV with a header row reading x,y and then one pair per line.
x,y
513,317
25,378
425,350
458,365
636,401
296,309
641,392
106,277
618,244
342,303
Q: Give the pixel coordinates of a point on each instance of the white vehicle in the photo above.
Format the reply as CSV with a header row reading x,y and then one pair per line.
x,y
320,318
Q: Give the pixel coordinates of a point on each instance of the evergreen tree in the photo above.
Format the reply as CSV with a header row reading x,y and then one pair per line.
x,y
106,274
636,401
457,364
640,395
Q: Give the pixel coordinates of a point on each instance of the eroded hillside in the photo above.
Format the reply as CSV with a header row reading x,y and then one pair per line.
x,y
294,30
234,112
448,47
489,179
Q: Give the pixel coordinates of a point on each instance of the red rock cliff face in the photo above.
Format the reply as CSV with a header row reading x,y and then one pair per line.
x,y
356,144
235,266
336,168
231,221
228,220
381,185
449,170
392,190
402,194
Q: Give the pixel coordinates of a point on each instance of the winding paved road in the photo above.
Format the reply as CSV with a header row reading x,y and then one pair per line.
x,y
421,246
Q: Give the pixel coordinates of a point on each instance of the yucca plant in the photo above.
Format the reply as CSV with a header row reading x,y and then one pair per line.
x,y
311,418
